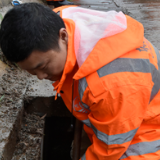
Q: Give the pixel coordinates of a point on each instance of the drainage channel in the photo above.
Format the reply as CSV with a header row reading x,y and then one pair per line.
x,y
58,138
45,132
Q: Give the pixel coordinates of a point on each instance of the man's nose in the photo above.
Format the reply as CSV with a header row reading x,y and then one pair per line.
x,y
41,75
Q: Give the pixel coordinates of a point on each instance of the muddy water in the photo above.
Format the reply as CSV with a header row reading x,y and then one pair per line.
x,y
148,13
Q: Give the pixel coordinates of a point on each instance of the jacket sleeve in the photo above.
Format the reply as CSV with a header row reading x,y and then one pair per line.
x,y
115,118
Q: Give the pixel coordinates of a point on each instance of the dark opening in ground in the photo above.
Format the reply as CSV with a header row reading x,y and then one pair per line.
x,y
57,138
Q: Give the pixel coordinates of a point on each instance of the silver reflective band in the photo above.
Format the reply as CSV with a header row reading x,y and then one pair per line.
x,y
83,157
155,76
87,122
142,148
156,80
114,139
82,87
125,65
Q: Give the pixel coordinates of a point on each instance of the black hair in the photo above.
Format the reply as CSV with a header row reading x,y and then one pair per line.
x,y
29,27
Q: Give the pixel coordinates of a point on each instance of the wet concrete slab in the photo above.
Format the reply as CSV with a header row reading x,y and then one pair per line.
x,y
102,5
147,12
39,88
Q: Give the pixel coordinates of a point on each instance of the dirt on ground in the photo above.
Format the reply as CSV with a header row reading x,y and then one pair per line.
x,y
30,138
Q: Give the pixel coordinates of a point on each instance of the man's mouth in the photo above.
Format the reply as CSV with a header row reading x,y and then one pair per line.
x,y
51,78
54,78
48,78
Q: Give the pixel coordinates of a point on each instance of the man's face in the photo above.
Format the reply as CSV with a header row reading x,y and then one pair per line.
x,y
47,65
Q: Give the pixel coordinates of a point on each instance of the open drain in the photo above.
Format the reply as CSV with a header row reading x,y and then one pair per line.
x,y
57,138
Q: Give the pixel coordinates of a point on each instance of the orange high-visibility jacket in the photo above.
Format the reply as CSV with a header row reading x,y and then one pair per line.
x,y
116,78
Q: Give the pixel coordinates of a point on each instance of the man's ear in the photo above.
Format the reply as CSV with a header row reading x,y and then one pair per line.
x,y
63,35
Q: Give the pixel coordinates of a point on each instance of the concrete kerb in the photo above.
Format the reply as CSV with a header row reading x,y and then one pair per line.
x,y
12,91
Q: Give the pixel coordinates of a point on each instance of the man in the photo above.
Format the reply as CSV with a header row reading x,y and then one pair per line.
x,y
105,70
58,3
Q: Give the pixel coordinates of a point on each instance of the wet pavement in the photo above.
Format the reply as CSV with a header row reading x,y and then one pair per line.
x,y
102,5
145,11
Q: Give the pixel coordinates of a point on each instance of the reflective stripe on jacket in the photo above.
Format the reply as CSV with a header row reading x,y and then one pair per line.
x,y
116,92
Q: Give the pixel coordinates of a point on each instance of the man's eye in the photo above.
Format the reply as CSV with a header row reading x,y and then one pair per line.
x,y
44,67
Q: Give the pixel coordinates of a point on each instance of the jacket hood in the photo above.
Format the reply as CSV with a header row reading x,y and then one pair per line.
x,y
101,37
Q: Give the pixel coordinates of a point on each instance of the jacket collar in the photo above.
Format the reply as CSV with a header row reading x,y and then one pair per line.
x,y
71,58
